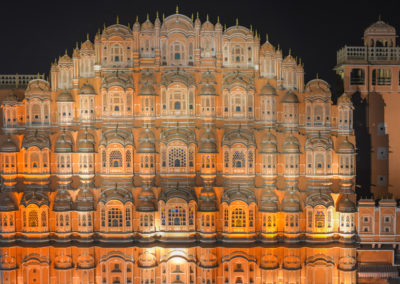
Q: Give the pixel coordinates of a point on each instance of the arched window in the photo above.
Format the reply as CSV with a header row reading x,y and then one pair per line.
x,y
177,157
320,219
103,217
114,217
44,219
238,160
177,216
61,220
226,218
128,158
237,54
238,218
115,159
33,219
177,105
116,53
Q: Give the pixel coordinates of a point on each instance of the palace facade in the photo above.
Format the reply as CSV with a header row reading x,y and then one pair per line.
x,y
181,152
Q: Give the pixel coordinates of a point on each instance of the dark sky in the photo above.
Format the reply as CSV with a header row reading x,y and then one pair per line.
x,y
35,32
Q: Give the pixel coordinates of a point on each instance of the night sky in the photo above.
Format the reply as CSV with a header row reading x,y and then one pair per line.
x,y
35,32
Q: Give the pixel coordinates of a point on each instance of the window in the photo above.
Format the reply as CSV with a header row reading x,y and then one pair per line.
x,y
238,218
115,159
103,217
115,217
116,53
238,160
33,219
177,216
128,158
177,157
226,217
357,76
381,77
128,217
319,219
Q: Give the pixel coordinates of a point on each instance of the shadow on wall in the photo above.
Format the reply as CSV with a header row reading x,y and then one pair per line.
x,y
363,143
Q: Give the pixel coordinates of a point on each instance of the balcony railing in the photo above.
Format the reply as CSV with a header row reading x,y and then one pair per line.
x,y
17,80
363,54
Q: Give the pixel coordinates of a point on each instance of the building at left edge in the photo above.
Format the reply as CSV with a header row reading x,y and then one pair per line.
x,y
179,151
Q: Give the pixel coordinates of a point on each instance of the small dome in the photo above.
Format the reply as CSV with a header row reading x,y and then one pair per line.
x,y
146,142
268,90
289,60
84,200
208,199
65,97
147,25
116,193
290,97
11,99
345,99
86,142
291,202
62,201
179,191
147,89
8,146
7,202
346,147
64,143
38,86
380,28
87,45
269,201
34,197
208,90
244,194
267,47
87,89
208,142
268,143
146,200
291,144
207,26
345,205
65,59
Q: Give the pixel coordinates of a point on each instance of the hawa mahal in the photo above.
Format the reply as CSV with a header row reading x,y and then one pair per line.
x,y
181,151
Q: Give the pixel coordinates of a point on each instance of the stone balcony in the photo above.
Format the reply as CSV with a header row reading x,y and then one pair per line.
x,y
365,54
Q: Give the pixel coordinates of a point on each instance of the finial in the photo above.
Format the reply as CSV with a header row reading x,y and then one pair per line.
x,y
104,26
76,45
237,21
197,14
192,17
300,61
98,31
156,14
279,46
117,19
147,16
266,37
225,27
137,18
66,52
163,16
87,36
380,17
218,20
290,52
177,9
207,17
317,76
129,25
251,28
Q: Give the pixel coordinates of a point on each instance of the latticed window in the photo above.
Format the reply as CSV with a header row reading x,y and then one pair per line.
x,y
309,219
238,218
89,220
177,216
128,158
67,220
238,160
251,218
44,219
251,159
226,218
329,219
115,159
163,217
115,217
177,157
319,219
226,159
33,219
104,158
128,217
191,216
269,221
24,219
191,158
103,217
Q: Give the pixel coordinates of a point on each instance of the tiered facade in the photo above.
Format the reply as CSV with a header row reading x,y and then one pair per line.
x,y
156,151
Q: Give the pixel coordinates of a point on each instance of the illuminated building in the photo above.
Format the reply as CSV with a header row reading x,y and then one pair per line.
x,y
156,151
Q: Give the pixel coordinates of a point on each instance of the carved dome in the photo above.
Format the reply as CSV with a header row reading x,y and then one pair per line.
x,y
11,99
64,143
345,205
243,194
117,79
380,28
346,147
291,144
208,142
268,90
318,198
86,142
207,90
269,201
65,97
267,47
84,199
268,143
240,136
87,89
87,45
146,142
147,89
38,139
178,191
7,202
208,199
62,201
8,146
207,26
291,201
290,97
34,197
146,200
345,99
147,25
117,135
116,193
